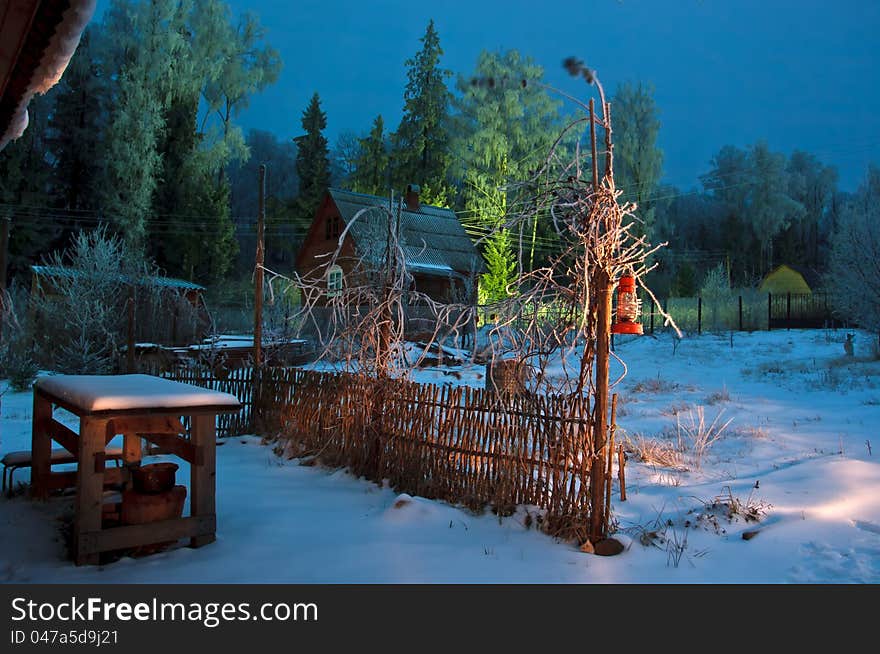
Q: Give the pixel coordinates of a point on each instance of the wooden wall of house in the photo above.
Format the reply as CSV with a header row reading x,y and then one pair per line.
x,y
317,249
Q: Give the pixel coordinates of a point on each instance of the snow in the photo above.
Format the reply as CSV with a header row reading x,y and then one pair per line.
x,y
239,341
56,56
801,450
117,392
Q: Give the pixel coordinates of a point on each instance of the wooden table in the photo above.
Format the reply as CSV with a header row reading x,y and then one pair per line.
x,y
136,406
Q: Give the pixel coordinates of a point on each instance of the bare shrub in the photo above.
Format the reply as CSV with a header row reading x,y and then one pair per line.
x,y
16,349
80,311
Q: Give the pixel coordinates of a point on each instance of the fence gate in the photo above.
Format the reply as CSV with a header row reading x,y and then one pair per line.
x,y
798,310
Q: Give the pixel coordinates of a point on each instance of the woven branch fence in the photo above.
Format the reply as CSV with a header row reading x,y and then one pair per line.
x,y
458,444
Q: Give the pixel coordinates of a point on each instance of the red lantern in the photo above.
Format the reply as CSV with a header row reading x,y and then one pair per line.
x,y
627,318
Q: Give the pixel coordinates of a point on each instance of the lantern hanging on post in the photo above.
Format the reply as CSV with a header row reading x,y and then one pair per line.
x,y
627,317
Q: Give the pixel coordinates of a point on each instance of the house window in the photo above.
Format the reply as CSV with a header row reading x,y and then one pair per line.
x,y
334,281
334,227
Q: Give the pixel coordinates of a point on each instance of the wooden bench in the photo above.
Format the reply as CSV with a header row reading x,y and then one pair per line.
x,y
12,461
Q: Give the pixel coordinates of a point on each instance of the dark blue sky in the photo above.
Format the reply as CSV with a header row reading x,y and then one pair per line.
x,y
798,73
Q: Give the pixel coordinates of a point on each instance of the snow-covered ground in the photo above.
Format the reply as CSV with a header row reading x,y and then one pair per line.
x,y
802,452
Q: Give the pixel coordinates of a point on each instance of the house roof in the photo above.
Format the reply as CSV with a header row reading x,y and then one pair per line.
x,y
37,40
433,239
163,282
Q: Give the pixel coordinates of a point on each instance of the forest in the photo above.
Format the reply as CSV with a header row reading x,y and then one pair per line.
x,y
143,136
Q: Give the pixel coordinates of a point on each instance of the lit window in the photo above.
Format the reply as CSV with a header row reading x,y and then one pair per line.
x,y
334,281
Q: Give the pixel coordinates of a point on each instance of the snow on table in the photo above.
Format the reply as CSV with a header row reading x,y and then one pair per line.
x,y
126,392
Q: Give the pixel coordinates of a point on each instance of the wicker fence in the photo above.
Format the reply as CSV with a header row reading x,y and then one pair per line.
x,y
459,444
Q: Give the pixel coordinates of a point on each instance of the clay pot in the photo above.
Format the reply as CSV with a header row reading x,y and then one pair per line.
x,y
140,508
154,477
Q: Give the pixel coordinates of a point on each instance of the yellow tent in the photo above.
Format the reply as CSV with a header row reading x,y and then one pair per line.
x,y
785,279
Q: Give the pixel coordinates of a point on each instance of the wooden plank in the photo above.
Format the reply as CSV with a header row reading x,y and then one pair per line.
x,y
64,436
203,476
41,447
132,447
146,534
171,444
89,486
147,425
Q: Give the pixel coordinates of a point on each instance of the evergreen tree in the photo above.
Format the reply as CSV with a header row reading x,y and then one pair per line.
x,y
75,128
282,184
24,191
638,162
371,167
312,165
420,145
192,232
506,125
500,268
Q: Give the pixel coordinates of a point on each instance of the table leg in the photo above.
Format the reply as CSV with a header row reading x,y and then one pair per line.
x,y
89,485
41,447
203,473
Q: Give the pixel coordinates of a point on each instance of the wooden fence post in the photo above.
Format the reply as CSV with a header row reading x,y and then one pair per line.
x,y
740,312
788,310
700,315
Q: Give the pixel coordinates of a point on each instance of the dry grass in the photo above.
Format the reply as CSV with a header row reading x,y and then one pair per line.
x,y
655,452
725,509
675,409
718,396
694,433
655,385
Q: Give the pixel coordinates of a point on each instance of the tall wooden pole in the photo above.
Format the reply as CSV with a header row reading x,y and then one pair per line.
x,y
258,271
600,425
593,144
609,146
130,361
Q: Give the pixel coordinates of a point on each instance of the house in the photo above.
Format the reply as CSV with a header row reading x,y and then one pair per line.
x,y
792,279
440,256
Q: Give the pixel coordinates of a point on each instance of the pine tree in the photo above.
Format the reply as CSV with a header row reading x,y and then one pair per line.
x,y
75,129
500,268
24,191
506,125
312,164
192,234
420,145
371,168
